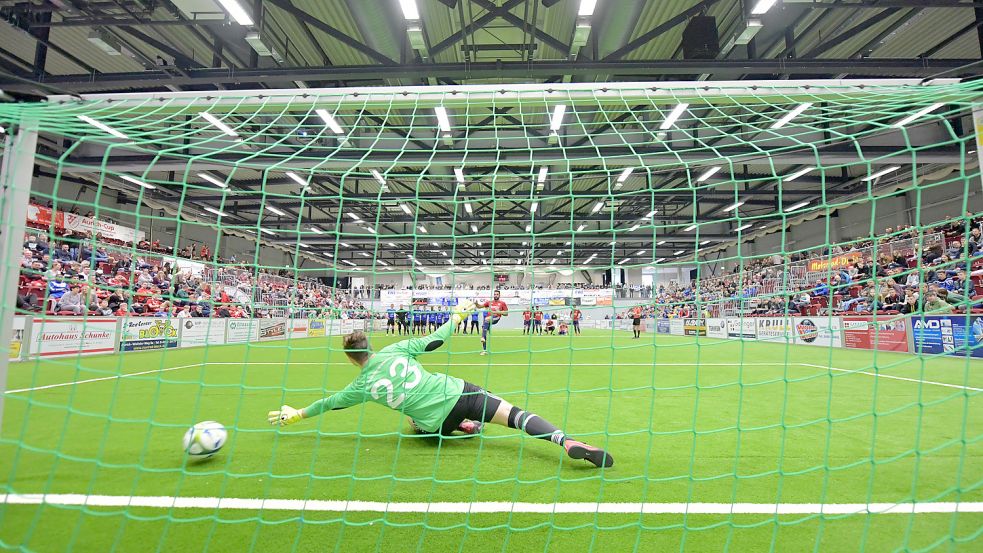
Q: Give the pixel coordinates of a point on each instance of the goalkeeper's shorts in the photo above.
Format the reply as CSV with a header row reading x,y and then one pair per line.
x,y
475,404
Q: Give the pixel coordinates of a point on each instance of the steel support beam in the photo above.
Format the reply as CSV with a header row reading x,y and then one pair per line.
x,y
612,156
539,70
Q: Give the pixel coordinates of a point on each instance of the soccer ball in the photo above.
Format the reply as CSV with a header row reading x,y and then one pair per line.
x,y
204,439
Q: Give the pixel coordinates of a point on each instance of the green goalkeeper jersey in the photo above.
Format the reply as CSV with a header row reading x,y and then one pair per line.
x,y
394,378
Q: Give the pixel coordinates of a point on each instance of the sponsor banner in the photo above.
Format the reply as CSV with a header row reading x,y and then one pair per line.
x,y
148,333
241,330
201,332
662,326
273,329
347,326
817,331
316,327
716,328
948,334
588,300
109,230
601,300
775,329
835,262
298,328
888,334
44,216
744,327
694,327
676,327
17,338
558,301
73,336
358,324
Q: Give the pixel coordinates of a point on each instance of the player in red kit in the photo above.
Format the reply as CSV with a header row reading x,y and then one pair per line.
x,y
494,310
575,316
526,321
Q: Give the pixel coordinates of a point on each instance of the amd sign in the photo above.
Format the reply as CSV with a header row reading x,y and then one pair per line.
x,y
919,323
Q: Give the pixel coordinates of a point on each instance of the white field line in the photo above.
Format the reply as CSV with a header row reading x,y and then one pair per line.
x,y
321,363
165,502
114,377
892,377
655,365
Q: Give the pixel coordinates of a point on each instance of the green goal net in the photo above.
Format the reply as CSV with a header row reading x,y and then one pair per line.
x,y
761,298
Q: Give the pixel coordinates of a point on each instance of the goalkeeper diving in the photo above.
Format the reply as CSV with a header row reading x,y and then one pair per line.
x,y
436,403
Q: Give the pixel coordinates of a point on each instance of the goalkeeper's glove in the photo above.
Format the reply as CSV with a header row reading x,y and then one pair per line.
x,y
286,415
462,311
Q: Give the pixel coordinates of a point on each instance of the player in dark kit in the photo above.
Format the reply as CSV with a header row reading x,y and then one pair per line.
x,y
436,403
401,325
391,319
496,308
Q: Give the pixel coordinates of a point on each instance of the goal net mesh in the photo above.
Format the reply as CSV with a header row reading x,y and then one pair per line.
x,y
198,256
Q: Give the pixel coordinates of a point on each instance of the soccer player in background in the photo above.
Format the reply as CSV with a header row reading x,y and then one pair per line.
x,y
575,317
436,403
537,321
401,324
496,308
636,322
526,321
474,322
391,319
417,319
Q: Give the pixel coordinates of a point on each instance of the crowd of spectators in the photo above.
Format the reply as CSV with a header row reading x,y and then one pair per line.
x,y
901,271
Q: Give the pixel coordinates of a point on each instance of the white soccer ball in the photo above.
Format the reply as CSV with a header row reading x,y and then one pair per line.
x,y
204,439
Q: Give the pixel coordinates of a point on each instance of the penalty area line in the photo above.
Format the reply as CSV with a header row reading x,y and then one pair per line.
x,y
892,377
101,379
319,505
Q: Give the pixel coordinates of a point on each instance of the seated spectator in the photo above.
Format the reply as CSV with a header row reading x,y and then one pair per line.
x,y
57,288
71,301
36,246
101,256
102,309
935,304
955,250
64,254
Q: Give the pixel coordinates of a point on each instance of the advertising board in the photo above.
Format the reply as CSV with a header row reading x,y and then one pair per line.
x,y
888,334
148,333
73,336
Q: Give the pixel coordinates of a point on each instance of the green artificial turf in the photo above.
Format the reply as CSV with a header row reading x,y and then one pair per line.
x,y
687,420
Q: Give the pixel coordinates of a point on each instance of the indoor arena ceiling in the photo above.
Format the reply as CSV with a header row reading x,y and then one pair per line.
x,y
70,47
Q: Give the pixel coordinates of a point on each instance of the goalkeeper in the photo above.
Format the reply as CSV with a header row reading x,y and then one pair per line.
x,y
436,403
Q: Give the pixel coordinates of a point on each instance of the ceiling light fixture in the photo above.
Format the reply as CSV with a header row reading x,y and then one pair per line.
x,y
673,116
236,12
791,115
213,180
798,173
218,124
329,121
881,173
137,181
917,115
556,120
102,127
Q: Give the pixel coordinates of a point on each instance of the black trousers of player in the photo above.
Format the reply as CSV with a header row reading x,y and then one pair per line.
x,y
474,326
475,404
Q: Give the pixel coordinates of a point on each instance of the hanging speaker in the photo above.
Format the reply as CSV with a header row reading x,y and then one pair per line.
x,y
700,40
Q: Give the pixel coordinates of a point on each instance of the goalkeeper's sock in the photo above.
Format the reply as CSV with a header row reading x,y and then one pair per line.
x,y
535,426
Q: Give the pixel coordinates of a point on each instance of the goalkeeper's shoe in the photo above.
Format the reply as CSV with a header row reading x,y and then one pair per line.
x,y
595,455
471,427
